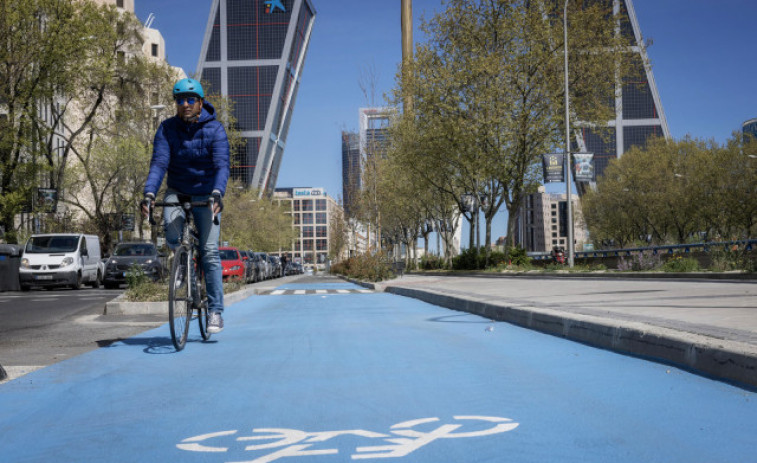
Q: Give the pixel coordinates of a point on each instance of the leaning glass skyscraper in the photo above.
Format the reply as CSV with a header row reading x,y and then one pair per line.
x,y
253,53
638,108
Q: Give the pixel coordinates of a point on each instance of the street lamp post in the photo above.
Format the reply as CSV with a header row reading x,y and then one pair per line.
x,y
568,176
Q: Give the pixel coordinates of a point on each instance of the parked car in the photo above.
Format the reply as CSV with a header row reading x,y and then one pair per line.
x,y
266,266
257,266
61,259
233,265
276,269
247,266
295,268
125,256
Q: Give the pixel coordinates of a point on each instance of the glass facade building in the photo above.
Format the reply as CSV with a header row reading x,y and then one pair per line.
x,y
638,109
749,128
253,53
351,178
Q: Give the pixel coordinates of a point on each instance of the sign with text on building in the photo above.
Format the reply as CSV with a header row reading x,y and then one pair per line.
x,y
308,192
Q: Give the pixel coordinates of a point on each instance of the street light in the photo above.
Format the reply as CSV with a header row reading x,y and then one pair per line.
x,y
568,177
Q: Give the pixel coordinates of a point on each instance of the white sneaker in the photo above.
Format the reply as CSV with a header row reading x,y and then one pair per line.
x,y
215,322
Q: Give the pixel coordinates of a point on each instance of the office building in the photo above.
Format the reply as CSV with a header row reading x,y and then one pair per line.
x,y
253,53
313,216
749,128
374,131
638,108
542,224
351,170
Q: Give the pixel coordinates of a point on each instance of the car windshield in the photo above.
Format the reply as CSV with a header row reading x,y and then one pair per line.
x,y
228,254
48,244
131,250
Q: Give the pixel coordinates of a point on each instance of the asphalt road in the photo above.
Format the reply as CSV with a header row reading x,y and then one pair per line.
x,y
40,328
325,371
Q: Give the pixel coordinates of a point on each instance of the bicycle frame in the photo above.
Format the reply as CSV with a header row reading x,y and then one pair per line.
x,y
182,309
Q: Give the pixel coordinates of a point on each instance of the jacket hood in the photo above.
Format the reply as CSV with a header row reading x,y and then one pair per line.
x,y
208,112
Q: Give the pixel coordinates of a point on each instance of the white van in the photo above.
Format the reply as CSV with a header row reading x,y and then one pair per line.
x,y
61,259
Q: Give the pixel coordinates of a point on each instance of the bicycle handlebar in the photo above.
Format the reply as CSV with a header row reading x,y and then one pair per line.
x,y
186,205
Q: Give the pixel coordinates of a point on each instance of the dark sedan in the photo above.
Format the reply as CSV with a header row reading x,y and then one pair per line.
x,y
126,255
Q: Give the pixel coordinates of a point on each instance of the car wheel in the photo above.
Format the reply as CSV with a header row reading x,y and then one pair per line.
x,y
98,281
77,283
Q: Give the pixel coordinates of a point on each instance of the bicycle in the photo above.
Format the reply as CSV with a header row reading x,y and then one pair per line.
x,y
187,298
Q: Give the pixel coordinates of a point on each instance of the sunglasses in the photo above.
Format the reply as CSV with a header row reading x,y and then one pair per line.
x,y
189,100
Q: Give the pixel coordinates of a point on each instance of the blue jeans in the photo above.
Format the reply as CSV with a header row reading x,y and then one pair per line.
x,y
210,233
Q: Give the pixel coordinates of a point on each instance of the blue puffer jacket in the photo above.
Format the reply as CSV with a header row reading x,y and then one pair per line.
x,y
196,156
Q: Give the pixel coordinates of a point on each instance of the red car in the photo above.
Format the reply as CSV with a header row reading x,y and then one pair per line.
x,y
233,266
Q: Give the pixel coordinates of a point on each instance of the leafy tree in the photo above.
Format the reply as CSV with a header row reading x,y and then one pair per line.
x,y
59,62
251,222
488,94
338,239
676,191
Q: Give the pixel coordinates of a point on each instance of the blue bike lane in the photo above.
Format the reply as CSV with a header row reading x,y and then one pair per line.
x,y
326,373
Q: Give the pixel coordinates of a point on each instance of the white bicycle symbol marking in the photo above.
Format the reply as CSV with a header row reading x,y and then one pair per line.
x,y
293,442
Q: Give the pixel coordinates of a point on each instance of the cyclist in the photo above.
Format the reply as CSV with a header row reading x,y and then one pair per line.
x,y
193,149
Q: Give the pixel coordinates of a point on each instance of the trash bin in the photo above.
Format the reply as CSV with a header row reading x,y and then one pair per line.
x,y
10,260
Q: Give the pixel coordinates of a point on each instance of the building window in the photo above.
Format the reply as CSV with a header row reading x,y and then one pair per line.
x,y
320,218
554,206
154,49
321,245
307,218
307,245
120,3
307,204
296,205
320,204
321,232
296,218
307,232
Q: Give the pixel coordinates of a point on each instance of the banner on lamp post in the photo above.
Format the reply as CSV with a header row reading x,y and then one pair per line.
x,y
583,167
553,165
47,200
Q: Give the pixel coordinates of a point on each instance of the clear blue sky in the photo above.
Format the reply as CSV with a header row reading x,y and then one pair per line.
x,y
701,55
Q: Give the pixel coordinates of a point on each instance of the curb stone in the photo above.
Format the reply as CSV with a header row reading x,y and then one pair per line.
x,y
120,307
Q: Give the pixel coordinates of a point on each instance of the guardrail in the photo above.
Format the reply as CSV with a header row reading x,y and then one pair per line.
x,y
666,249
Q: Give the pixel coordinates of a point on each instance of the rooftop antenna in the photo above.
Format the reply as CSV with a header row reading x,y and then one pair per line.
x,y
150,19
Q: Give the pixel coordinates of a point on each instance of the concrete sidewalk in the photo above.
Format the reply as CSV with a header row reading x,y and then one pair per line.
x,y
703,325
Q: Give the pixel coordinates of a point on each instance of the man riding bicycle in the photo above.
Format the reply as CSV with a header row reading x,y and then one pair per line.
x,y
193,149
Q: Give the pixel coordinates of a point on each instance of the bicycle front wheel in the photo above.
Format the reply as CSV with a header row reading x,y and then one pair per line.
x,y
179,303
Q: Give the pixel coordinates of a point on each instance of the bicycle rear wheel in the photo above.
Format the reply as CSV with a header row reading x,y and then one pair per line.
x,y
179,303
202,310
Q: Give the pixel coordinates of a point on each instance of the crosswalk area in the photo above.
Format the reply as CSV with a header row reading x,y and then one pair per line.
x,y
305,292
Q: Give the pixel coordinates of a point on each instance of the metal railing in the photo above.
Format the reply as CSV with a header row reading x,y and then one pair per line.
x,y
664,249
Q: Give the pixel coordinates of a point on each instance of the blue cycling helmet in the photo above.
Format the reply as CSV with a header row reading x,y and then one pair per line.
x,y
188,86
